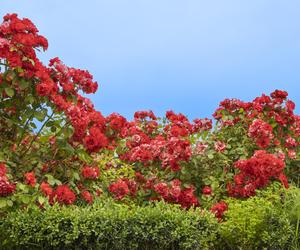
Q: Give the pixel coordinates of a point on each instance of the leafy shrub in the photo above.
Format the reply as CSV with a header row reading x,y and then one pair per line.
x,y
259,222
109,226
292,209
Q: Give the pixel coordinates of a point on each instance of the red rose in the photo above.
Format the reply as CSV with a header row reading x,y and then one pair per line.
x,y
207,190
86,195
64,195
30,178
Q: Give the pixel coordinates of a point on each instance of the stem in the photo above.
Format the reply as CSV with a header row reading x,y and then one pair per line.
x,y
24,129
37,134
297,228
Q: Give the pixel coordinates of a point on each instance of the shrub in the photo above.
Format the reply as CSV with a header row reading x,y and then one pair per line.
x,y
292,208
256,223
109,226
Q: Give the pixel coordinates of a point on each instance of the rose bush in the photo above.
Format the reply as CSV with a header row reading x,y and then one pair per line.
x,y
55,147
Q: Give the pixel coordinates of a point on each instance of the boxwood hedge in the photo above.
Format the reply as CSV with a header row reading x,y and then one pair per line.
x,y
109,226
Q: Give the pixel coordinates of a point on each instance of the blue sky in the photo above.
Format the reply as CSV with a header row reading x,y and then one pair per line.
x,y
170,54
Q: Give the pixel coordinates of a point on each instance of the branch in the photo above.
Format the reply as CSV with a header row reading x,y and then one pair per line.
x,y
37,134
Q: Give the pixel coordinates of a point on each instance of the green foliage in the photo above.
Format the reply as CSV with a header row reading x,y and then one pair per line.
x,y
292,209
259,222
109,226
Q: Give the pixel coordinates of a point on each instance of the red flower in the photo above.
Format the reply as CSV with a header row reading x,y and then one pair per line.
x,y
119,189
99,192
283,180
175,189
95,140
3,169
86,195
218,209
261,132
292,154
132,186
140,115
187,198
290,142
46,189
202,125
139,177
6,188
207,190
90,172
256,173
220,146
162,189
279,94
64,195
30,178
116,121
45,88
290,106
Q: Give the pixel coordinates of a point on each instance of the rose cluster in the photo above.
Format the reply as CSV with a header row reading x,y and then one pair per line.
x,y
148,145
270,120
256,173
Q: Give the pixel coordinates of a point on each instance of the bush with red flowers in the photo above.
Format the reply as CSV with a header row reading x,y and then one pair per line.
x,y
57,148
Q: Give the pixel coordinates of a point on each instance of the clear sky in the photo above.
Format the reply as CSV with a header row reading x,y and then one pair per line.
x,y
170,54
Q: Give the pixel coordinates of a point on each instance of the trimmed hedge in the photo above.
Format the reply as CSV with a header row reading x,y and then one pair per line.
x,y
269,220
109,226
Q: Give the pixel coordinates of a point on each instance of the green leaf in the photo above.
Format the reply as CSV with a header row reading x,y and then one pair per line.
x,y
40,115
10,92
76,176
41,199
51,179
3,203
9,203
57,182
22,187
53,129
25,199
23,84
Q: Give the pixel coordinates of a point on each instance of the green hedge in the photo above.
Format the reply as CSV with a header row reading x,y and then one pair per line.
x,y
269,220
109,226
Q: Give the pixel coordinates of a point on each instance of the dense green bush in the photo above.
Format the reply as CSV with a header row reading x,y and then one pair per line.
x,y
292,209
109,226
270,220
259,222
